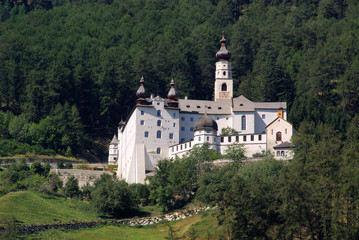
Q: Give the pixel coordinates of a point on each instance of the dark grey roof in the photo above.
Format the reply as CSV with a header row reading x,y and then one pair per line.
x,y
284,145
242,104
205,122
222,106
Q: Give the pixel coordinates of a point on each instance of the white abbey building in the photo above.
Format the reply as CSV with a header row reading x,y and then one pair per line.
x,y
161,128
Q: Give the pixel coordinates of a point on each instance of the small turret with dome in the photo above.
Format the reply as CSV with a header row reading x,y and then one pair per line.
x,y
223,53
205,123
141,93
172,96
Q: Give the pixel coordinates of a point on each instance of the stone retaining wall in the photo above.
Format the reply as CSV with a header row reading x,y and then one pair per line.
x,y
28,229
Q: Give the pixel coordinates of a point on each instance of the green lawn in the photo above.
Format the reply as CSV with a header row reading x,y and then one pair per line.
x,y
34,208
204,226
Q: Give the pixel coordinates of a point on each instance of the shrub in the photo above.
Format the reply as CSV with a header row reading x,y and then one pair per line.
x,y
60,165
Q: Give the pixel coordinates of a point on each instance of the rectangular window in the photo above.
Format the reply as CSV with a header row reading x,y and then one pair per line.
x,y
146,134
244,124
174,124
237,138
252,138
182,139
222,139
191,119
142,122
285,131
171,135
260,137
182,128
174,114
191,129
182,119
229,139
263,116
142,113
244,138
190,144
199,139
181,147
185,145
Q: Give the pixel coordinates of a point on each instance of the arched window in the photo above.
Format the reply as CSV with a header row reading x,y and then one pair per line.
x,y
146,134
224,87
158,122
158,134
278,153
158,151
282,153
279,136
224,73
158,113
243,122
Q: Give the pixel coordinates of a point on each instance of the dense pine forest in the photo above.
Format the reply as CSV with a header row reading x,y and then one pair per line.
x,y
69,69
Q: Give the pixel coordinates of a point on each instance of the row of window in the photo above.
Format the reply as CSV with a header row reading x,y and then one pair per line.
x,y
158,113
159,123
280,153
184,119
181,147
236,138
158,135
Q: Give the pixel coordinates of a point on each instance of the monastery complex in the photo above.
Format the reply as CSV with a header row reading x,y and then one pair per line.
x,y
161,128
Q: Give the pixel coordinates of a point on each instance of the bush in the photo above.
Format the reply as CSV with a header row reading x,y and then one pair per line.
x,y
60,165
68,165
113,197
72,188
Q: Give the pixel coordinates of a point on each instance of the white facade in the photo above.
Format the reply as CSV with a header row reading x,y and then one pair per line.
x,y
161,128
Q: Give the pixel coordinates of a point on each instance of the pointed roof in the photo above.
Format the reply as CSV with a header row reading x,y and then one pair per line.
x,y
114,140
280,119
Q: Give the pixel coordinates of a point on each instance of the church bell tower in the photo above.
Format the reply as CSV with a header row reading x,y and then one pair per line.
x,y
223,88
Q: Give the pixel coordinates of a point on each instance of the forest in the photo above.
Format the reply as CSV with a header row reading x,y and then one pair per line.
x,y
69,71
85,59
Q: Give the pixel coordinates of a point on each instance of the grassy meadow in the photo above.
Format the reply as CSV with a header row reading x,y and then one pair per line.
x,y
29,207
205,227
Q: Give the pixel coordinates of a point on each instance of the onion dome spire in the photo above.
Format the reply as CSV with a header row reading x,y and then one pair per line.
x,y
141,93
223,53
205,123
172,94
